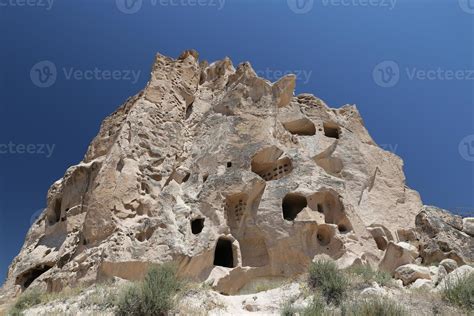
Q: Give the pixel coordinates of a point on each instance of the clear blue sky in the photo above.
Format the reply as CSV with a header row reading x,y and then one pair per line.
x,y
334,48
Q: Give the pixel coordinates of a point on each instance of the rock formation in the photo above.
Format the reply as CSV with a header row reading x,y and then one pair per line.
x,y
234,179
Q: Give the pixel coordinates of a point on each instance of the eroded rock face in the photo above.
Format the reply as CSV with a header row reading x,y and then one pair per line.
x,y
228,175
442,237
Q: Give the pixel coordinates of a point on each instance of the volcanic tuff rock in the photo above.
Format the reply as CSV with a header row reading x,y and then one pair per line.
x,y
230,176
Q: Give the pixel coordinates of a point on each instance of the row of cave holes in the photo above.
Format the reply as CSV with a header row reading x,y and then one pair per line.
x,y
304,127
294,203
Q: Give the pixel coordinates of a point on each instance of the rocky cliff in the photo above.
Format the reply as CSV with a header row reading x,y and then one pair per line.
x,y
234,179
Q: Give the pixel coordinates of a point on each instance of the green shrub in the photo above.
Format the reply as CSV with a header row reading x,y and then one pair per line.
x,y
325,277
288,310
373,307
369,275
26,300
315,308
153,296
460,292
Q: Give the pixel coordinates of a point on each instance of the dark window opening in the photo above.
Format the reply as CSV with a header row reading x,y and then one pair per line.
x,y
26,278
57,212
229,164
320,208
189,110
223,255
331,130
186,177
197,225
342,228
292,205
324,237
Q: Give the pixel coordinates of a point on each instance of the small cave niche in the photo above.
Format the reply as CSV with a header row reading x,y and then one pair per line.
x,y
268,164
197,225
302,127
189,110
56,214
26,278
329,203
324,235
236,207
120,165
331,130
145,235
229,164
293,204
223,254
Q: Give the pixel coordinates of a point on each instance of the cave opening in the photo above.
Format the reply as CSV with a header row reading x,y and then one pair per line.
x,y
292,205
331,130
197,225
223,255
26,278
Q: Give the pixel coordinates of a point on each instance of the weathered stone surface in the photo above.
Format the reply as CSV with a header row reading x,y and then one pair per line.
x,y
231,177
453,277
397,255
441,237
422,284
468,225
410,272
449,264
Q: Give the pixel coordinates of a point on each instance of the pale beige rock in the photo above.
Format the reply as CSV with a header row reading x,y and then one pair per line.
x,y
442,273
209,166
397,255
422,284
468,225
452,278
410,272
449,264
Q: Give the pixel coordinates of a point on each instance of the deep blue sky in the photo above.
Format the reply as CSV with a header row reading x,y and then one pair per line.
x,y
336,47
